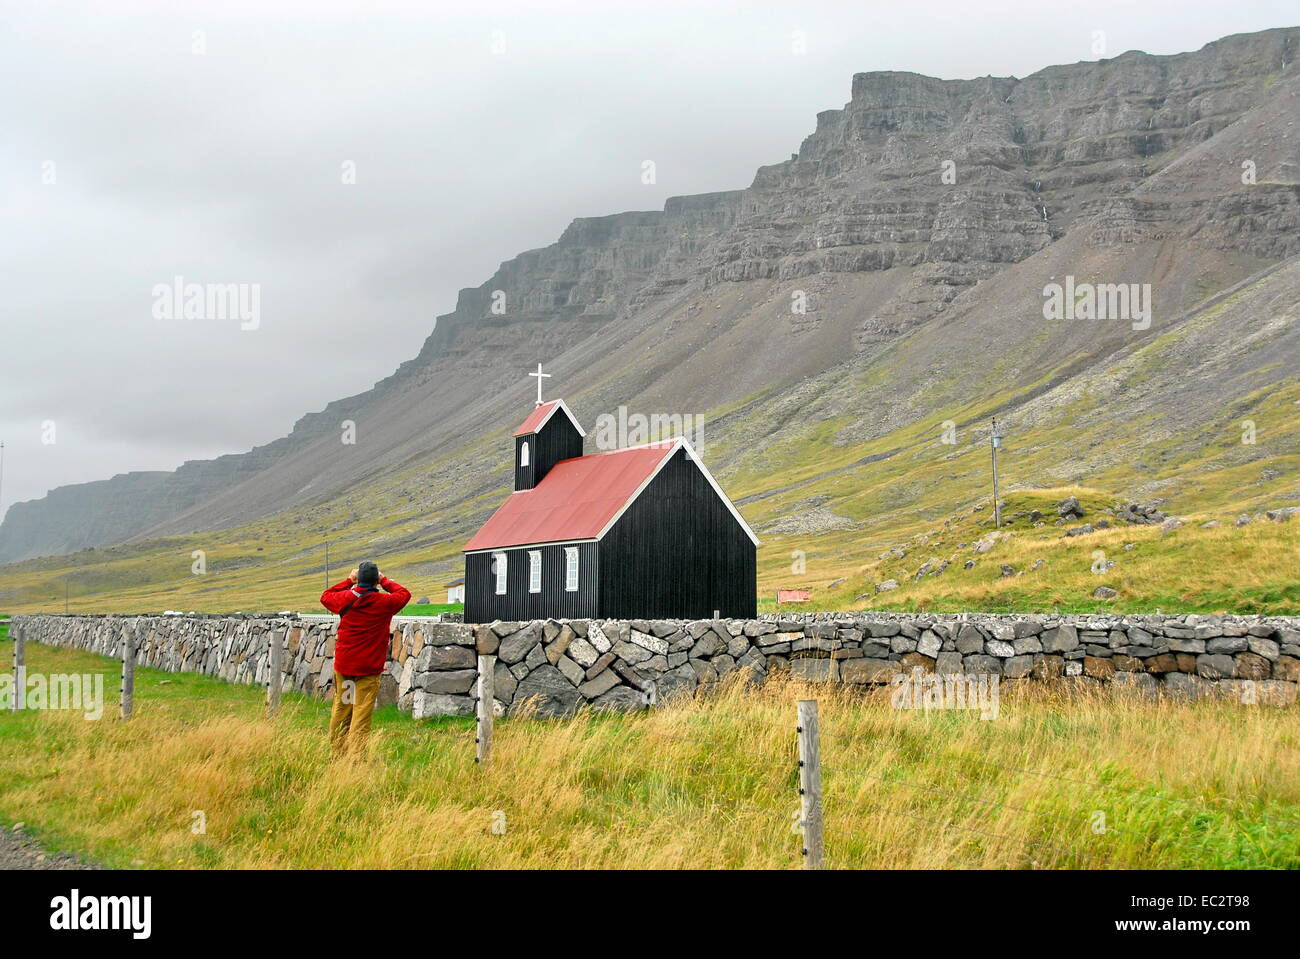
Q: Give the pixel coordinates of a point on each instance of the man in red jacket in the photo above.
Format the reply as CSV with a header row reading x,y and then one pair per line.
x,y
365,628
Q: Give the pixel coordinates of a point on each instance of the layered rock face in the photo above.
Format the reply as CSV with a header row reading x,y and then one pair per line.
x,y
559,666
958,178
903,207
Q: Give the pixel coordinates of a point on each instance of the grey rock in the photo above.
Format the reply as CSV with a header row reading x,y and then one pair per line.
x,y
1227,644
601,684
619,699
1267,648
654,665
517,645
424,705
503,683
630,653
949,662
817,670
970,640
536,656
598,638
573,672
1060,639
865,671
982,665
450,681
1069,507
675,683
738,646
582,652
550,690
446,657
902,644
1137,636
1210,666
709,644
1030,644
646,641
1018,667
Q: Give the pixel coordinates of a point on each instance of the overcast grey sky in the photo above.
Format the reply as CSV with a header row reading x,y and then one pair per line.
x,y
142,141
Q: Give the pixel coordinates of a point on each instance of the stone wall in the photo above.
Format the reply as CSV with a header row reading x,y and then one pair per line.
x,y
432,665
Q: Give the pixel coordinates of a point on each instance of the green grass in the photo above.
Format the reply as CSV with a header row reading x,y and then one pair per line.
x,y
708,782
432,609
918,483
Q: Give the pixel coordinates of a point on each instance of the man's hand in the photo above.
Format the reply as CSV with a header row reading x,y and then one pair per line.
x,y
353,575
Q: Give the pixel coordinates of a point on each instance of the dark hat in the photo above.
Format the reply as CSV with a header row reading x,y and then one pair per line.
x,y
367,574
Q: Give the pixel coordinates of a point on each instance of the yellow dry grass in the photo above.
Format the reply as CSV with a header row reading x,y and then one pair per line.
x,y
708,782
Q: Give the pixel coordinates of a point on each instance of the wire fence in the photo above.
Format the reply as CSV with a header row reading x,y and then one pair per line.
x,y
851,788
850,785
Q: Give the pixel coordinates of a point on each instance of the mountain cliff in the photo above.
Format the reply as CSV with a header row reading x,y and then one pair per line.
x,y
918,227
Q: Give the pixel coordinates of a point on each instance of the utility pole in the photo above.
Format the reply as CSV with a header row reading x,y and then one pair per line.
x,y
996,441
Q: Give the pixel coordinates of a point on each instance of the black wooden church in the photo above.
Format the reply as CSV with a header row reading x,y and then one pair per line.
x,y
637,533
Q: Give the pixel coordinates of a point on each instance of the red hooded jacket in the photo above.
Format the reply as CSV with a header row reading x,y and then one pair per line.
x,y
367,625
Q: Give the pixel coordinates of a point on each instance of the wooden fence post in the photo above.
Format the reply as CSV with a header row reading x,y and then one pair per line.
x,y
810,784
276,681
20,670
128,671
485,707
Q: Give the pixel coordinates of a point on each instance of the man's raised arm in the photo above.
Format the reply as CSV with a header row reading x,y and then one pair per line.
x,y
398,594
337,596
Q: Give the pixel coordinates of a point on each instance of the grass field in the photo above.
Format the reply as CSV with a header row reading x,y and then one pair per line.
x,y
1192,569
705,783
824,524
432,609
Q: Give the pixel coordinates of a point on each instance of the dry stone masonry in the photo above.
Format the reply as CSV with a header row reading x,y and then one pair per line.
x,y
559,666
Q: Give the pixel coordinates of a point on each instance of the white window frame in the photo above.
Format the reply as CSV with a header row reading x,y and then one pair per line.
x,y
523,454
571,570
534,571
499,570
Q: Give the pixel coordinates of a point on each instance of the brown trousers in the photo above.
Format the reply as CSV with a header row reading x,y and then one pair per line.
x,y
354,705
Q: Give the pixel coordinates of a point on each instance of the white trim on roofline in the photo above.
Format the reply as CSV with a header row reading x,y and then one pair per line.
x,y
559,404
678,443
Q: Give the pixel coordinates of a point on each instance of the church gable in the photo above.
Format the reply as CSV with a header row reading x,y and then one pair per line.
x,y
639,531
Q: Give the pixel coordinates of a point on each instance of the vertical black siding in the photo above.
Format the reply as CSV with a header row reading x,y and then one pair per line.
x,y
678,553
526,476
482,605
557,441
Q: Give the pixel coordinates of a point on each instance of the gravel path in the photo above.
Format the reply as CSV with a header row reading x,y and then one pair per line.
x,y
19,851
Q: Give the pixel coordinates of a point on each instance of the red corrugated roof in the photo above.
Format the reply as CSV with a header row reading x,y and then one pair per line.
x,y
537,417
574,501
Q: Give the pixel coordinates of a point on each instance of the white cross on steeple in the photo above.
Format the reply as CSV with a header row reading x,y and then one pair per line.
x,y
540,375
